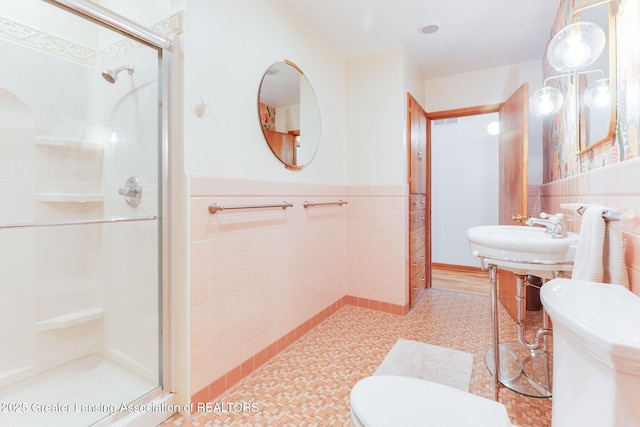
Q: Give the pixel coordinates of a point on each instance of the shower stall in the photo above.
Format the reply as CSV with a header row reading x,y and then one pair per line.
x,y
82,168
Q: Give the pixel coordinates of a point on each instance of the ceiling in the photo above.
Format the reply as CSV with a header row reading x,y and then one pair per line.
x,y
473,35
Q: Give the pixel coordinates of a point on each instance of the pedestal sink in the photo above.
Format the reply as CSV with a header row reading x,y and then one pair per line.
x,y
523,250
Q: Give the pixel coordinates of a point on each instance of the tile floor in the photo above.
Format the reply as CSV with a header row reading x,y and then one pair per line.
x,y
309,382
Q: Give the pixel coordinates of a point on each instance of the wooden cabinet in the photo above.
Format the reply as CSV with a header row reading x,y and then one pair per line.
x,y
418,154
419,206
417,250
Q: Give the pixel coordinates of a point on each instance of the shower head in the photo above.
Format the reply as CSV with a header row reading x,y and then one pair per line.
x,y
112,75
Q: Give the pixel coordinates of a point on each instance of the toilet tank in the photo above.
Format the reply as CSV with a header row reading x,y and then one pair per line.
x,y
596,353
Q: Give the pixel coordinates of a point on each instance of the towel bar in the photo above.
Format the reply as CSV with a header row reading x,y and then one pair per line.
x,y
213,208
608,215
339,203
79,222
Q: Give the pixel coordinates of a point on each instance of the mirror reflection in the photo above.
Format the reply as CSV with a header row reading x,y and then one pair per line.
x,y
289,114
596,86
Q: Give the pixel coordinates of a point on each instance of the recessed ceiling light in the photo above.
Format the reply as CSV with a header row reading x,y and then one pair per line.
x,y
428,29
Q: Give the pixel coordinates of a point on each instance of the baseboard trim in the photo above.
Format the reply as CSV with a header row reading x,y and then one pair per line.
x,y
240,372
456,267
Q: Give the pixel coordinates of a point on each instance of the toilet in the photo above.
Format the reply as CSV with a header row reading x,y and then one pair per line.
x,y
596,353
387,401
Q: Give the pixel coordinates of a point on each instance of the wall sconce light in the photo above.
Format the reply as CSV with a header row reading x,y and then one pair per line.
x,y
547,100
580,43
597,94
576,46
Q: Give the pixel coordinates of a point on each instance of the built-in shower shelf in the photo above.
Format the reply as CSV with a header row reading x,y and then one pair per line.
x,y
50,141
70,319
70,197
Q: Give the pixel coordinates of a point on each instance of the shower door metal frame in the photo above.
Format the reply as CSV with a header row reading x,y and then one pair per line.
x,y
120,24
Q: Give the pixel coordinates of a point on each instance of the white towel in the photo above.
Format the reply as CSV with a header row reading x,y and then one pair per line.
x,y
600,252
588,264
615,267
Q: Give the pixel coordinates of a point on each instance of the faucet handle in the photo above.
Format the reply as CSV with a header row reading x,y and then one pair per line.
x,y
555,218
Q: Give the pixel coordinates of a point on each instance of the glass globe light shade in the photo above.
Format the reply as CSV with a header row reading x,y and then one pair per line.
x,y
597,94
545,101
576,46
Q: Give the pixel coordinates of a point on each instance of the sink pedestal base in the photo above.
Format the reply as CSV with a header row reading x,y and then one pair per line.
x,y
523,367
524,371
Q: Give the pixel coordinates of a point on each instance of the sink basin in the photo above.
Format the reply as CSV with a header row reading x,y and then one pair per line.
x,y
523,250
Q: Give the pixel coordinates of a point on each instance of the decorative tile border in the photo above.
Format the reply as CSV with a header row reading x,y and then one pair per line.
x,y
35,39
167,27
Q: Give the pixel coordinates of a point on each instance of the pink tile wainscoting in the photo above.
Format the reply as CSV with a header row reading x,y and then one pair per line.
x,y
262,278
614,186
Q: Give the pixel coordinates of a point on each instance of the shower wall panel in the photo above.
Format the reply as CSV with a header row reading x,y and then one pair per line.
x,y
69,140
50,172
80,263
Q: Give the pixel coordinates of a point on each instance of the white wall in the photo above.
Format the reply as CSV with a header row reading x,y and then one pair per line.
x,y
230,44
462,200
376,117
414,82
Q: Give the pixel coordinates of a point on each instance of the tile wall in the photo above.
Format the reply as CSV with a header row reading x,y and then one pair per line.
x,y
614,186
377,230
534,201
261,278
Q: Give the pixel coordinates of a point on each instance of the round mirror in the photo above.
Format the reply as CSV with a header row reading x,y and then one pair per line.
x,y
289,114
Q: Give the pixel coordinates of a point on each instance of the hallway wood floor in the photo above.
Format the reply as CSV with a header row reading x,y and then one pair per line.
x,y
460,278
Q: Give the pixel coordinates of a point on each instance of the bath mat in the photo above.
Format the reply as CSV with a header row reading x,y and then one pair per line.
x,y
428,362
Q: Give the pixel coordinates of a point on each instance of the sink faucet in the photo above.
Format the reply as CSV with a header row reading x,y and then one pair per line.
x,y
553,223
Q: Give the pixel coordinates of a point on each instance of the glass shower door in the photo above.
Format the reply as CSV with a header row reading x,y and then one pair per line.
x,y
80,219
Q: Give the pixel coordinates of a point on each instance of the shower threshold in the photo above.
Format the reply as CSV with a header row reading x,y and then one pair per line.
x,y
79,393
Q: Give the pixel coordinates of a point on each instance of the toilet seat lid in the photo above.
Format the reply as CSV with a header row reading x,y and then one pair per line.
x,y
385,400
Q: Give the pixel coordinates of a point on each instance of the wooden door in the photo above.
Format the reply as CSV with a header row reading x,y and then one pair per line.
x,y
283,145
513,142
419,200
417,121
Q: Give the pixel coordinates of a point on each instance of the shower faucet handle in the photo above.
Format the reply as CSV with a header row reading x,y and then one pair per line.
x,y
132,191
129,191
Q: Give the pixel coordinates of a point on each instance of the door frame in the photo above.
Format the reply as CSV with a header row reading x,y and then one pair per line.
x,y
449,114
506,277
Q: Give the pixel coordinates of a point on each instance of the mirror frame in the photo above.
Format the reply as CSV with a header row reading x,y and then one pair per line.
x,y
296,134
581,147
